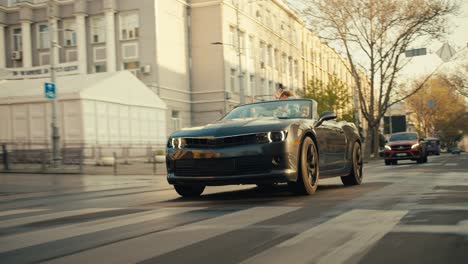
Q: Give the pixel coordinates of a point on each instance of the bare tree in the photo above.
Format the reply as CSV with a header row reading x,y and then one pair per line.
x,y
376,34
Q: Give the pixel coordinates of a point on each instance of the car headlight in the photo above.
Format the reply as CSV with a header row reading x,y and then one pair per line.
x,y
388,147
415,146
273,136
176,143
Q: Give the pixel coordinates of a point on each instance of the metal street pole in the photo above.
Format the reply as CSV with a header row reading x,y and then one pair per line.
x,y
52,45
239,55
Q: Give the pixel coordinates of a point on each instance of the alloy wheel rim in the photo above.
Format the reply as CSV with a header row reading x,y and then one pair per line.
x,y
311,165
358,162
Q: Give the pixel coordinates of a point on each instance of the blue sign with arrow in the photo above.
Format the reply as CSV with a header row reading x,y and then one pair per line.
x,y
49,90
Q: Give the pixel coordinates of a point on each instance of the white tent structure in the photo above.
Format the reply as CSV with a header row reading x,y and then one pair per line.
x,y
104,109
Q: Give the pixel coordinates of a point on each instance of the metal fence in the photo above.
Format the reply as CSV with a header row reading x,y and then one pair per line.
x,y
82,158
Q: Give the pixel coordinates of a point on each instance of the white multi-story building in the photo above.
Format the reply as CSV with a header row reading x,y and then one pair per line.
x,y
168,45
147,37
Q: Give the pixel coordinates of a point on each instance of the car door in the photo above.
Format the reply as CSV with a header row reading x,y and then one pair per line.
x,y
324,132
336,146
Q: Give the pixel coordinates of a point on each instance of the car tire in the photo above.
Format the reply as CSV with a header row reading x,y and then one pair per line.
x,y
394,162
355,175
186,190
309,170
388,162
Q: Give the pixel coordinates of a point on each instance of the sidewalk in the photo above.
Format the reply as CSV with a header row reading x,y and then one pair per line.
x,y
120,169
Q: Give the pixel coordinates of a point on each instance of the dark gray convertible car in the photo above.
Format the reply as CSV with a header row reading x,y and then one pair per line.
x,y
265,143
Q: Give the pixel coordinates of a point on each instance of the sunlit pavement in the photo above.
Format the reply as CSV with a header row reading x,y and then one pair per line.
x,y
408,213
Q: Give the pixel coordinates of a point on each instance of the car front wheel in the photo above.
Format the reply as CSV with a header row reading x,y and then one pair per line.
x,y
308,177
189,190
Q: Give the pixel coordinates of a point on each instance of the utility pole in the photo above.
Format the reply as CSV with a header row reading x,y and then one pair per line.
x,y
239,55
52,45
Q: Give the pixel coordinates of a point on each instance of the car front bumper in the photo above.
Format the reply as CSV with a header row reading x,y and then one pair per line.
x,y
402,155
245,164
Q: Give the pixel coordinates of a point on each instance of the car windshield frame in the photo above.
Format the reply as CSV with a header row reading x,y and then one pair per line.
x,y
403,136
281,109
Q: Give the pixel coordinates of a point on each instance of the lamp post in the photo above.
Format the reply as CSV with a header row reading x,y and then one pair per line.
x,y
239,56
52,45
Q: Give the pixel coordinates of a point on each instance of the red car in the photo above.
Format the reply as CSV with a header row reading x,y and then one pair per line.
x,y
405,146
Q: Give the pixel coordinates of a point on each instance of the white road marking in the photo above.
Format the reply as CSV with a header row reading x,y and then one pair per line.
x,y
21,211
28,239
39,218
450,164
334,241
143,248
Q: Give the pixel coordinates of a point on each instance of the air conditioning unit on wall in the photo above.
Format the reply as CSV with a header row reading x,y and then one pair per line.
x,y
16,55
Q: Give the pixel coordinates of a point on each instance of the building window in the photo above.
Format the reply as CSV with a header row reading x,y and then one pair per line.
x,y
17,40
290,66
69,34
233,80
175,118
133,67
100,67
252,46
71,55
129,26
263,88
232,36
295,69
252,83
99,54
43,36
284,64
262,54
270,55
98,29
277,59
242,42
130,51
44,58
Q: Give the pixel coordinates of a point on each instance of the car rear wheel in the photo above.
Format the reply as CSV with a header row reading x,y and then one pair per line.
x,y
308,177
355,176
189,190
388,162
394,162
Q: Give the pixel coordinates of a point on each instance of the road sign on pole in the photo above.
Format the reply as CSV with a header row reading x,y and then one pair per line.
x,y
49,90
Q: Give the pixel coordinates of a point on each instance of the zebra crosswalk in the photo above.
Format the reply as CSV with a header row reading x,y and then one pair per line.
x,y
123,235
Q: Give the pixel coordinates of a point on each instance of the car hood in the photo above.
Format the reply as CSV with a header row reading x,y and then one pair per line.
x,y
233,127
402,142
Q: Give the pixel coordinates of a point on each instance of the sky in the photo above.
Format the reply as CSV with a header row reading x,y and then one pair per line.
x,y
457,38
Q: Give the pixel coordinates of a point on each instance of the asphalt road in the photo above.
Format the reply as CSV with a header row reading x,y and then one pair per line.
x,y
408,213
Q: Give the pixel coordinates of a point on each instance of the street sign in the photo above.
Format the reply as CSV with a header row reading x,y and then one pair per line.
x,y
416,52
49,90
431,104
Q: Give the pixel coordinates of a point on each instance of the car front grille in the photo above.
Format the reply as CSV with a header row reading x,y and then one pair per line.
x,y
222,167
401,147
220,142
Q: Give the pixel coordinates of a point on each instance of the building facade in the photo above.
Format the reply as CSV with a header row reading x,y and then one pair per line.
x,y
270,53
145,37
188,52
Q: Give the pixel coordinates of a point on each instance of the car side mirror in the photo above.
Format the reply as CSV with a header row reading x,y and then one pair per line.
x,y
324,117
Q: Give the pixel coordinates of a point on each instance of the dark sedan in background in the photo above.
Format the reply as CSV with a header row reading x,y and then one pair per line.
x,y
265,143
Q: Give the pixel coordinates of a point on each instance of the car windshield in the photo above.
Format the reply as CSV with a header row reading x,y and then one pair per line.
x,y
404,136
283,109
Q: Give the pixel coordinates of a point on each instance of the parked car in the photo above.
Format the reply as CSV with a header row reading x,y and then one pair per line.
x,y
405,146
432,146
265,143
454,150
